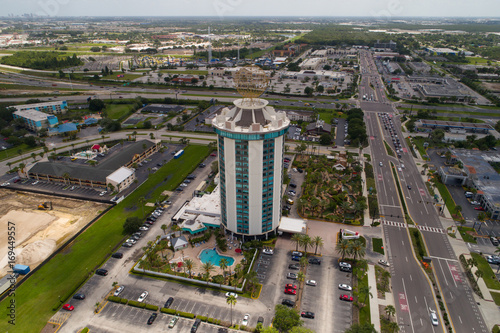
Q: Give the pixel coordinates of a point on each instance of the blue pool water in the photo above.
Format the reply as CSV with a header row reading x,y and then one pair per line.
x,y
213,257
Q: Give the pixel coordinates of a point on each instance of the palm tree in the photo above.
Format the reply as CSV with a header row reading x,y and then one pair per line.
x,y
231,300
306,242
365,290
65,176
343,248
164,227
390,311
479,274
296,238
303,262
33,156
189,265
357,249
300,277
318,242
223,263
9,164
208,267
252,280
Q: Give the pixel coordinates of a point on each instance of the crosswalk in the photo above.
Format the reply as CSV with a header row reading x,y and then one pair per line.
x,y
419,227
431,229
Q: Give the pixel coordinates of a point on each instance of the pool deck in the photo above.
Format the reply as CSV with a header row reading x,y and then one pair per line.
x,y
193,253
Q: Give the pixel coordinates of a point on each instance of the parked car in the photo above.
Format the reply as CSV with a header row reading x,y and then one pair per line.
x,y
195,326
290,286
127,244
152,318
143,296
346,298
315,261
117,255
295,258
292,276
173,321
79,296
434,318
311,283
494,241
294,266
307,314
493,259
344,286
290,291
260,320
268,251
245,320
119,290
68,307
288,302
231,294
101,271
169,302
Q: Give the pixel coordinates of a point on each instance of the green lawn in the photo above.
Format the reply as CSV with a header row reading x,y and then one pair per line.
x,y
446,196
63,275
388,148
378,245
117,111
364,312
488,274
125,77
11,152
465,236
496,297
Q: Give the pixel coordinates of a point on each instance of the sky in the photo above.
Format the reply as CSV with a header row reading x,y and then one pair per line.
x,y
226,8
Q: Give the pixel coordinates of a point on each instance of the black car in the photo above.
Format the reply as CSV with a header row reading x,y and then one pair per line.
x,y
191,177
260,320
293,185
307,314
288,302
300,170
101,271
202,165
152,318
169,302
195,326
117,255
79,296
294,266
222,330
179,189
315,261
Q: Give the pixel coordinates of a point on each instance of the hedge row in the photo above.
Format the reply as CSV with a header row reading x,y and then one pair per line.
x,y
152,307
85,330
168,311
186,315
137,304
118,299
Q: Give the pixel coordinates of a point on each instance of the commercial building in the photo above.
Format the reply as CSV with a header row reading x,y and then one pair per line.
x,y
478,173
390,45
163,108
115,169
35,120
425,125
251,141
57,107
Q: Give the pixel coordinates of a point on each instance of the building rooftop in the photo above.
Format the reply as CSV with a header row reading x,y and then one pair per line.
x,y
457,124
120,175
32,114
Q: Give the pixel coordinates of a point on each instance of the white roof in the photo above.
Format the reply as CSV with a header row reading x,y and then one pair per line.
x,y
179,242
294,226
120,175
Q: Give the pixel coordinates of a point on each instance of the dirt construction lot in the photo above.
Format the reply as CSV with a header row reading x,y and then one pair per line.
x,y
38,233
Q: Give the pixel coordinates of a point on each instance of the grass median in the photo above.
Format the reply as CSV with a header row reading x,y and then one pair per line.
x,y
60,277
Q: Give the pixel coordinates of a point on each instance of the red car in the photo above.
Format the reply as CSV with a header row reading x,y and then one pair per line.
x,y
68,307
290,291
479,208
346,298
213,154
290,286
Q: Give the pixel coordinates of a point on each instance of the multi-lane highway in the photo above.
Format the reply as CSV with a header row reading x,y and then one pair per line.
x,y
413,291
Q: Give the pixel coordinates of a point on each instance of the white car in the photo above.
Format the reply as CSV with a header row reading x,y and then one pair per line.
x,y
143,296
184,184
245,320
6,184
344,286
103,193
311,283
119,290
268,251
231,294
434,318
384,263
131,240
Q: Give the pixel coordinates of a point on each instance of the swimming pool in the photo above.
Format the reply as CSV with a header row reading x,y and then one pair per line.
x,y
209,255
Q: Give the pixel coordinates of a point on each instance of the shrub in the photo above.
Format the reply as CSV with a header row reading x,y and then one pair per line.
x,y
85,330
137,304
124,301
114,299
186,315
202,318
152,307
168,311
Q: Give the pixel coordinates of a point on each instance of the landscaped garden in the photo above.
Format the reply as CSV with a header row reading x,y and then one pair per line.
x,y
332,189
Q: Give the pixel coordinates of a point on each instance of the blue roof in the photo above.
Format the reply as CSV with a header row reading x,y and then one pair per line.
x,y
90,121
68,127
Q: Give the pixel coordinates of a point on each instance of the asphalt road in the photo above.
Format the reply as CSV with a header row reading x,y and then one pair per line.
x,y
408,279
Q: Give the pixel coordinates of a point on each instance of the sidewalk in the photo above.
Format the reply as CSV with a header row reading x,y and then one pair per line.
x,y
374,301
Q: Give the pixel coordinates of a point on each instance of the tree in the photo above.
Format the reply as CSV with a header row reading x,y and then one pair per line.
x,y
208,267
96,105
357,249
458,209
231,300
164,227
305,242
296,238
131,224
325,139
318,242
479,274
365,290
343,248
300,277
223,264
285,318
189,266
300,329
308,91
390,311
33,156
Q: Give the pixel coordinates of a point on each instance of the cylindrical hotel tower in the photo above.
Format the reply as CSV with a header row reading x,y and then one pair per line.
x,y
251,141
